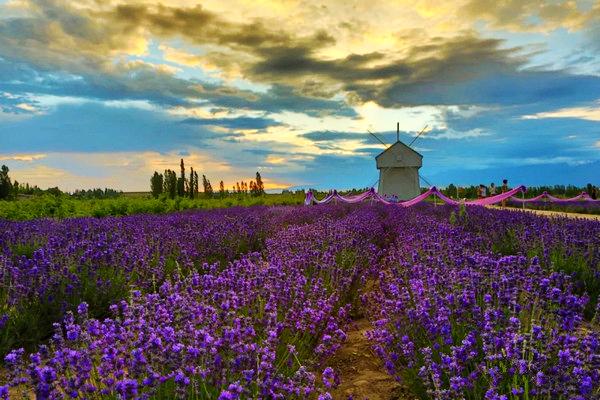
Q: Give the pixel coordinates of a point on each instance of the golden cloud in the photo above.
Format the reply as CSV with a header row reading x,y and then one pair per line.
x,y
586,113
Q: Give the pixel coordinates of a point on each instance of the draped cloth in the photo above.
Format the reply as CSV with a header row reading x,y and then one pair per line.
x,y
583,196
372,195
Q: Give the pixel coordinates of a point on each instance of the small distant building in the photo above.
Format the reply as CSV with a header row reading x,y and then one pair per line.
x,y
398,169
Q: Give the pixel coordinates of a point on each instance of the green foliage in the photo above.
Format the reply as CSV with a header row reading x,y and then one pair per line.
x,y
5,183
453,219
156,184
578,264
30,322
506,243
64,206
470,192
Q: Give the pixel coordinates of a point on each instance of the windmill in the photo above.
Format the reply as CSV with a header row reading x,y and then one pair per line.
x,y
398,167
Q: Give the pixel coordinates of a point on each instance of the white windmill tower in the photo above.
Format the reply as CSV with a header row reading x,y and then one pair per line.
x,y
398,167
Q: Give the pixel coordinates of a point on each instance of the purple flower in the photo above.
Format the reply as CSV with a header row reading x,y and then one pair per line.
x,y
127,388
181,379
3,320
82,309
586,385
330,379
4,392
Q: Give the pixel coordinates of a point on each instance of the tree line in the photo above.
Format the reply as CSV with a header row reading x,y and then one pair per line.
x,y
170,185
10,189
470,192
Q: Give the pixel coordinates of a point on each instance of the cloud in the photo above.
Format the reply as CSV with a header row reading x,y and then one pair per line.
x,y
454,134
18,104
274,159
249,123
591,113
68,51
331,136
76,170
87,51
195,23
95,127
22,157
523,15
119,77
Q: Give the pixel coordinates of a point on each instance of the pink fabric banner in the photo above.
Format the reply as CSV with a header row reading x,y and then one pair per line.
x,y
583,196
433,191
418,199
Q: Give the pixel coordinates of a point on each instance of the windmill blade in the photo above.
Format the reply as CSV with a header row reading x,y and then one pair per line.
x,y
416,137
379,140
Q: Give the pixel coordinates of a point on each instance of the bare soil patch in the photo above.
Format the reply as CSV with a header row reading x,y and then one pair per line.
x,y
362,374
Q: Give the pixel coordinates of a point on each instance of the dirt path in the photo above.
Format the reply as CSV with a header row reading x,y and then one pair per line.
x,y
549,213
362,374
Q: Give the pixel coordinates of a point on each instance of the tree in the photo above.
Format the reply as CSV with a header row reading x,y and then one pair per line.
x,y
5,184
451,191
222,189
192,185
55,191
166,182
181,180
156,184
195,183
260,186
208,190
170,183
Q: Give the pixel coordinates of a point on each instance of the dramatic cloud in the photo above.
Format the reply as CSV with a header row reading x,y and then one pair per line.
x,y
291,88
530,14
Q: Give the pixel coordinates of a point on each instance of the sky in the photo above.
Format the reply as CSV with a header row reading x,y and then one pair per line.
x,y
101,93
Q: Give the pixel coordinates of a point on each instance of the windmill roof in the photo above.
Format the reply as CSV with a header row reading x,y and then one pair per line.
x,y
399,143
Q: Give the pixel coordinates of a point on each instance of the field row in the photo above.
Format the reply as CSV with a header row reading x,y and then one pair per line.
x,y
252,302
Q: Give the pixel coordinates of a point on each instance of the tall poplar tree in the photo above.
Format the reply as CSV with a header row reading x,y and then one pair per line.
x,y
5,183
191,185
181,180
156,184
260,186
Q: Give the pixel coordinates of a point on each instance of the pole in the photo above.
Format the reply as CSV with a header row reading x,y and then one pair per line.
x,y
397,131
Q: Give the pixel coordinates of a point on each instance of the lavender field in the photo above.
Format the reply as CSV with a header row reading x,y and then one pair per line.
x,y
251,303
